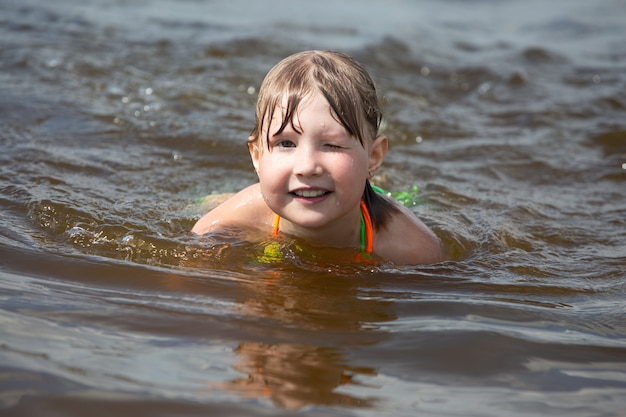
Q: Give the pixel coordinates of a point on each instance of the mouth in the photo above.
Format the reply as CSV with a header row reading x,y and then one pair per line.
x,y
310,193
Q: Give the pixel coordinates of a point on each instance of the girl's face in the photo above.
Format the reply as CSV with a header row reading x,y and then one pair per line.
x,y
314,176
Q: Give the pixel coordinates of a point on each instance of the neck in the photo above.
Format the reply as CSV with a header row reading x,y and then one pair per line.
x,y
344,232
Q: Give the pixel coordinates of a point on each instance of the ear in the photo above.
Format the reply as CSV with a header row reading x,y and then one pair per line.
x,y
255,152
378,150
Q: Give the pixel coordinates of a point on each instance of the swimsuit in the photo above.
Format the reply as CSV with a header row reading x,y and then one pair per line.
x,y
367,231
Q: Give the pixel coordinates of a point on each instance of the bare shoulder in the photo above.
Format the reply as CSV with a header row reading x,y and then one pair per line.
x,y
245,209
406,240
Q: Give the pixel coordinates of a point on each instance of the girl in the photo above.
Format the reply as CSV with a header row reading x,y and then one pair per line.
x,y
315,145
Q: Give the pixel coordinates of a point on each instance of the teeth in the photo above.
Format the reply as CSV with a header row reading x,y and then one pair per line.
x,y
309,193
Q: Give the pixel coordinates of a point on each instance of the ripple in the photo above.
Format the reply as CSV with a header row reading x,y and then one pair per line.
x,y
116,117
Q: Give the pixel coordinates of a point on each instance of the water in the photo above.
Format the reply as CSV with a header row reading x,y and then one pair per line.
x,y
115,117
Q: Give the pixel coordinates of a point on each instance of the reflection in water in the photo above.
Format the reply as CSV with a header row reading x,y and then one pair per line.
x,y
323,310
294,376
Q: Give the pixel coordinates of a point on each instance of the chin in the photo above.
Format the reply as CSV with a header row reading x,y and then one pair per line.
x,y
308,222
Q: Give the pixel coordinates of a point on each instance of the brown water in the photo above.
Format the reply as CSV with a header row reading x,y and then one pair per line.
x,y
115,117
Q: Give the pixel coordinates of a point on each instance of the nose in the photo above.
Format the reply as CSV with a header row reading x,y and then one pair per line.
x,y
307,163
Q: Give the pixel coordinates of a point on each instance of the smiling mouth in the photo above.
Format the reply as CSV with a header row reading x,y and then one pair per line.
x,y
310,193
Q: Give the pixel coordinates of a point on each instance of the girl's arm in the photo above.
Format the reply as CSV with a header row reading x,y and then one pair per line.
x,y
242,210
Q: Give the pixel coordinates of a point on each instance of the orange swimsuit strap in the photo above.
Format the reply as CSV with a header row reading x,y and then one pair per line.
x,y
367,230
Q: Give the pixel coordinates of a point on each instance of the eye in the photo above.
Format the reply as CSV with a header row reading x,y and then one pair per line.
x,y
285,144
333,146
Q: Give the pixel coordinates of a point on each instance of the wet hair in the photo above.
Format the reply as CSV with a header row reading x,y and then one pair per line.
x,y
350,92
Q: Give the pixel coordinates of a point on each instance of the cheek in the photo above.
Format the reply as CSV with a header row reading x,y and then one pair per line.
x,y
353,168
272,162
271,175
349,176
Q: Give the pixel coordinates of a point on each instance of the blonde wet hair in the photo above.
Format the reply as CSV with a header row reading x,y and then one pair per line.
x,y
343,81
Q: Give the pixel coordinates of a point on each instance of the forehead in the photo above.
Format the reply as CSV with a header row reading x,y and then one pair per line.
x,y
310,105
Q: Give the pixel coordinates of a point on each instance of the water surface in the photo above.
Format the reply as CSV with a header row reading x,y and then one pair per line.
x,y
117,117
